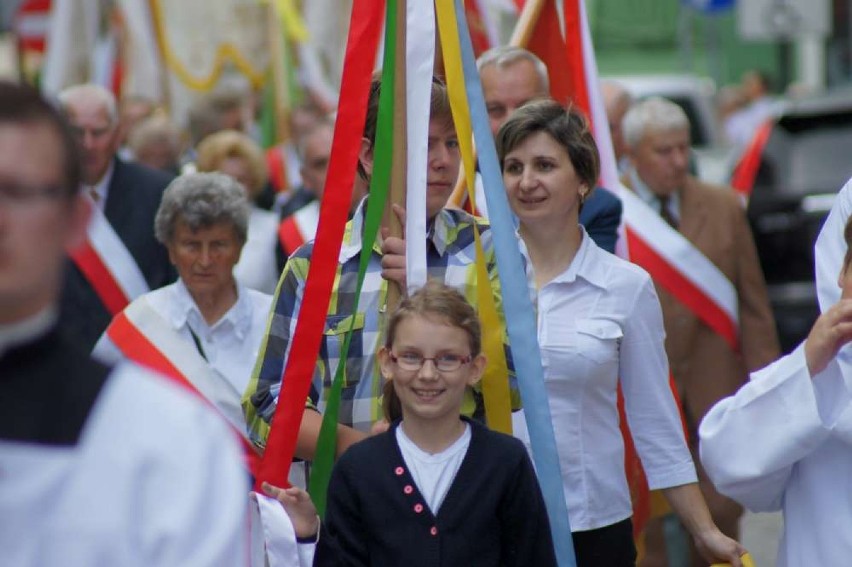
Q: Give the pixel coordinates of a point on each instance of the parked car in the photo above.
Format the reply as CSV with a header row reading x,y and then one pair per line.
x,y
803,163
695,95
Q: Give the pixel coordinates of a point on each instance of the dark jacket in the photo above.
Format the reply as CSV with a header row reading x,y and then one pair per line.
x,y
601,216
133,198
493,514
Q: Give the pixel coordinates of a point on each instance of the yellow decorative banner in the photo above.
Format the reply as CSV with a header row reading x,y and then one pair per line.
x,y
199,37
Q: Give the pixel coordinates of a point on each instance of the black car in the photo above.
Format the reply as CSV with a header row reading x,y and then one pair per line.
x,y
804,162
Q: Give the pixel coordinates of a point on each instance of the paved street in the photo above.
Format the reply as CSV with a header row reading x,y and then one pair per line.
x,y
760,534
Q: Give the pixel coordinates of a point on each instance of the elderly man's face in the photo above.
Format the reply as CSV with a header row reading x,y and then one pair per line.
x,y
37,219
97,136
661,159
507,88
317,151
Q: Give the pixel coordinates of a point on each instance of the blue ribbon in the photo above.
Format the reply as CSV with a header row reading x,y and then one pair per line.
x,y
518,309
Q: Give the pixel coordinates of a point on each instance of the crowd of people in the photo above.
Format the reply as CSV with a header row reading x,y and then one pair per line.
x,y
149,296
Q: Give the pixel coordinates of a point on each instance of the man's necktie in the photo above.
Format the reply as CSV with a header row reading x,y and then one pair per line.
x,y
666,212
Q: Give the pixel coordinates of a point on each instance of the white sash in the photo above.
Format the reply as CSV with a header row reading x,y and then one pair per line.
x,y
115,256
307,220
679,252
187,360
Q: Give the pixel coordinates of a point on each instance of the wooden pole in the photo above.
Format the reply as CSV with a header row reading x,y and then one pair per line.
x,y
399,165
520,38
526,22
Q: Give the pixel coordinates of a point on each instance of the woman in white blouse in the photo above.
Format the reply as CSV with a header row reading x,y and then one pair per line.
x,y
599,325
207,324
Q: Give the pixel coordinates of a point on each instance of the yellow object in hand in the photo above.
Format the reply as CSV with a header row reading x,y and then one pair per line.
x,y
746,559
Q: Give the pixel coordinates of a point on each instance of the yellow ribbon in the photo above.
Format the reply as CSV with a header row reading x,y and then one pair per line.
x,y
495,383
746,559
291,20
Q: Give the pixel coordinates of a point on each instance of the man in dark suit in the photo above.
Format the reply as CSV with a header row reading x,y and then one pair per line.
x,y
512,77
128,194
704,366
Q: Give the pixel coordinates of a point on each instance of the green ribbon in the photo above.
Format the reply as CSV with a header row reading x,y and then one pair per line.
x,y
379,183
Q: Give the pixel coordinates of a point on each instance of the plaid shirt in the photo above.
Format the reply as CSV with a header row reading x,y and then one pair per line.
x,y
451,257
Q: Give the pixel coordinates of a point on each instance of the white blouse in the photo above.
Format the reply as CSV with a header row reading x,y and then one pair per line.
x,y
600,323
230,345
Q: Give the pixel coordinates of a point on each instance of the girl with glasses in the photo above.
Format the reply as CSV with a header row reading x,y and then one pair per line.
x,y
435,488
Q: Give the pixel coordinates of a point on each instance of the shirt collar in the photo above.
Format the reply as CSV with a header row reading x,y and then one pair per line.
x,y
585,264
183,311
648,196
101,188
25,331
439,233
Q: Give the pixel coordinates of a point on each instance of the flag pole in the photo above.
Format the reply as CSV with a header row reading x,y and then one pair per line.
x,y
399,169
520,38
526,22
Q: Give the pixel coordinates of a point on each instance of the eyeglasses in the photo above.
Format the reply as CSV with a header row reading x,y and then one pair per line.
x,y
413,361
21,196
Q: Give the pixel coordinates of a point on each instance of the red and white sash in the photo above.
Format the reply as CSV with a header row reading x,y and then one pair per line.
x,y
145,337
679,267
300,227
108,266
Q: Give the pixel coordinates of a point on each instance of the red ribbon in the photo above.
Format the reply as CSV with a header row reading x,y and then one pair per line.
x,y
362,45
746,171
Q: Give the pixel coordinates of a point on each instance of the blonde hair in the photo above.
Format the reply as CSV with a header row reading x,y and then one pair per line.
x,y
216,148
435,300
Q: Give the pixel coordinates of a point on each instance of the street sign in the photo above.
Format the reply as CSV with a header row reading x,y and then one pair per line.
x,y
762,20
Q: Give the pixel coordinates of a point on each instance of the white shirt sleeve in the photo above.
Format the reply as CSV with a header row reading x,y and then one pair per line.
x,y
650,406
830,249
751,442
274,538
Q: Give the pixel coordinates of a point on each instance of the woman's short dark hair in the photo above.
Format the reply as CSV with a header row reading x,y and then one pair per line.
x,y
568,127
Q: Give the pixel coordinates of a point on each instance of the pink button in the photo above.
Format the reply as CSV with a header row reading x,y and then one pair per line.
x,y
408,489
433,531
418,508
399,471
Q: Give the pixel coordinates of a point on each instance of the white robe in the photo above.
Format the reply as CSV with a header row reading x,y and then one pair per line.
x,y
830,248
784,441
155,479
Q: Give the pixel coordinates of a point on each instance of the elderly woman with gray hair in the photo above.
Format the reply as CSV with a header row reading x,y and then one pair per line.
x,y
205,329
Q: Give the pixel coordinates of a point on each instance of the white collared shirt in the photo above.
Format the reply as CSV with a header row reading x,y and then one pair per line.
x,y
651,199
600,323
101,188
230,345
14,334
